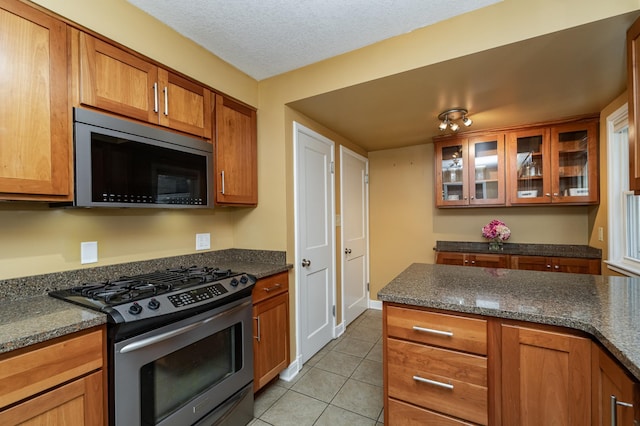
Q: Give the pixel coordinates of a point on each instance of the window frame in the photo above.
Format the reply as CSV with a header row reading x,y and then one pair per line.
x,y
618,192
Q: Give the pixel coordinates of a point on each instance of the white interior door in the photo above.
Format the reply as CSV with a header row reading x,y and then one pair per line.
x,y
354,202
315,239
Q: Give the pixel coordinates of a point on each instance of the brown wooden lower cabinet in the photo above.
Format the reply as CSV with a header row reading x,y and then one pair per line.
x,y
56,383
610,379
531,263
531,374
472,259
76,403
270,328
546,377
556,264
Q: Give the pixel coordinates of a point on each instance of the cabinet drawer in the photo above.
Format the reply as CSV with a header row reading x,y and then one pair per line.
x,y
34,371
460,387
270,286
403,414
449,331
436,361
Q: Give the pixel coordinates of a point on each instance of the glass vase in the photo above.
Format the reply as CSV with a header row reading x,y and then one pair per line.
x,y
495,245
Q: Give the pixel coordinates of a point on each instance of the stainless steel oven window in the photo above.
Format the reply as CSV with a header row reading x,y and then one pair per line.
x,y
216,344
170,382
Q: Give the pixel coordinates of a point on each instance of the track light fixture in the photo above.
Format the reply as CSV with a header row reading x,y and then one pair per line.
x,y
449,118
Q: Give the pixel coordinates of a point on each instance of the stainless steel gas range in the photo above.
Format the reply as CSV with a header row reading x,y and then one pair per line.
x,y
179,345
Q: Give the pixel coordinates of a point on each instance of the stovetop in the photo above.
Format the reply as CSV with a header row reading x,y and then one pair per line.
x,y
138,297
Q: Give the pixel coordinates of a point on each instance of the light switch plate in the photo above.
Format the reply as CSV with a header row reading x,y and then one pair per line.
x,y
203,241
89,252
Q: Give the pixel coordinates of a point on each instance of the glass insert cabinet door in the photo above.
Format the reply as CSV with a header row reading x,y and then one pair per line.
x,y
486,175
574,160
451,178
529,170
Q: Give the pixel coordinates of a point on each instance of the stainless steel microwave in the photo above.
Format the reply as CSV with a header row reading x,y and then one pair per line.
x,y
120,163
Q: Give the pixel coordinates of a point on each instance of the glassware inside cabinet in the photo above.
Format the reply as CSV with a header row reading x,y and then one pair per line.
x,y
530,166
452,173
573,163
486,171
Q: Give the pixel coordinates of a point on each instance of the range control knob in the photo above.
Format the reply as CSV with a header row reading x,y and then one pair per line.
x,y
234,282
153,304
244,279
135,309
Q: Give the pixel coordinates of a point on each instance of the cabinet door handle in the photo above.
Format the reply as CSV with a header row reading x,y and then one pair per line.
x,y
222,182
275,287
433,382
155,97
166,101
258,327
614,409
556,267
432,331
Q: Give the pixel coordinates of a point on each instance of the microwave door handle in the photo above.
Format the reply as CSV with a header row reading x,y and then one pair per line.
x,y
169,334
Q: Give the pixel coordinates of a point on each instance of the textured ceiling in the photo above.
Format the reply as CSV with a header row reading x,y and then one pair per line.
x,y
264,38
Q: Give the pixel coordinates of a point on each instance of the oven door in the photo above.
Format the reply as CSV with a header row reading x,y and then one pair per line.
x,y
183,372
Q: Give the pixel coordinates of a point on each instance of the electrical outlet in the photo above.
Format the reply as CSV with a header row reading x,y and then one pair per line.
x,y
600,234
89,252
203,241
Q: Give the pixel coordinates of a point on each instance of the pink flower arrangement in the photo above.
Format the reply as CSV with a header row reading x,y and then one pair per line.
x,y
496,230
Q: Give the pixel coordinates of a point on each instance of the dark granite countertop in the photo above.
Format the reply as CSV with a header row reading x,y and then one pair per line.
x,y
608,308
554,250
31,316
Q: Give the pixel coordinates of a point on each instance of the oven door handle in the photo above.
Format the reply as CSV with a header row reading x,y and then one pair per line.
x,y
169,334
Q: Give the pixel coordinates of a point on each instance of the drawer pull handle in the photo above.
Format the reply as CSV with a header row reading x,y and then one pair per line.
x,y
614,409
432,331
275,287
433,382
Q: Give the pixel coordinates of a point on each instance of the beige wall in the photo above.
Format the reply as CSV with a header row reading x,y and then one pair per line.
x,y
405,224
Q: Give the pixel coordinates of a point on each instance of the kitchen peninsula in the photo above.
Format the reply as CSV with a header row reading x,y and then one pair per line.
x,y
493,346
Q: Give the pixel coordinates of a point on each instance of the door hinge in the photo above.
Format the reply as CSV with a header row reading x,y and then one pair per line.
x,y
367,286
366,178
334,311
332,167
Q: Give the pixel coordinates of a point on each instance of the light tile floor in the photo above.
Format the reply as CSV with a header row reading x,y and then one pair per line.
x,y
340,385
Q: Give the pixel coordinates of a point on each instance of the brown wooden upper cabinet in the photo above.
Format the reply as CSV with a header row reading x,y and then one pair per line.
x,y
470,171
547,163
34,119
120,82
554,165
235,153
633,90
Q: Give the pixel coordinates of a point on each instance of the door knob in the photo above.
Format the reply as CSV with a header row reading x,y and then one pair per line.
x,y
306,263
347,251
